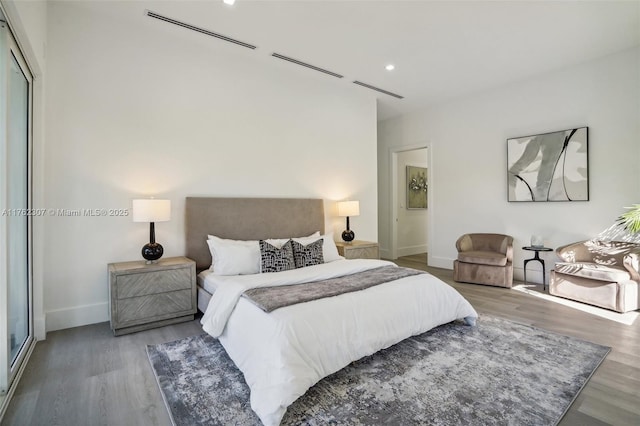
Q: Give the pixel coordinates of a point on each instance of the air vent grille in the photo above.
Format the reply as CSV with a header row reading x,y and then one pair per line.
x,y
275,55
200,30
386,92
304,64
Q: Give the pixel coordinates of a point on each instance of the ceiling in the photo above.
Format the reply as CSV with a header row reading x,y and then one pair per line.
x,y
441,49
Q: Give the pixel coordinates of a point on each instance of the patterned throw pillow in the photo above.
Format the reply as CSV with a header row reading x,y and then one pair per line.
x,y
308,255
275,259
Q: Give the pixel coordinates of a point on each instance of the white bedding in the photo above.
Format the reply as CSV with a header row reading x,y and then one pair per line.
x,y
285,352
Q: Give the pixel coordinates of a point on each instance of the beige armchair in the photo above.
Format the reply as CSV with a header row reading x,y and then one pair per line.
x,y
600,273
484,259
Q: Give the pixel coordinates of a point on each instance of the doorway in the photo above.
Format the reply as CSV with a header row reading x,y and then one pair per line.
x,y
411,221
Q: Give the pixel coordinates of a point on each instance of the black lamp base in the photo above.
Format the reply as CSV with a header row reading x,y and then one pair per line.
x,y
152,252
348,235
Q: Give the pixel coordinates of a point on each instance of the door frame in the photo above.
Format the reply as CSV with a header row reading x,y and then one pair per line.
x,y
15,367
393,195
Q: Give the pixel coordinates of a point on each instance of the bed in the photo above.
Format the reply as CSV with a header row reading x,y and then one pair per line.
x,y
284,352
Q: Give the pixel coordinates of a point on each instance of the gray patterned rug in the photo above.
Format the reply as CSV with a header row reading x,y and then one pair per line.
x,y
498,373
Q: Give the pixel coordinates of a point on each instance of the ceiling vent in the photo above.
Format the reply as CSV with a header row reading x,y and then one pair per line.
x,y
304,64
199,30
377,89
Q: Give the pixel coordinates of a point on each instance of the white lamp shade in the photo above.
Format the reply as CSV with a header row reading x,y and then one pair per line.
x,y
151,210
349,208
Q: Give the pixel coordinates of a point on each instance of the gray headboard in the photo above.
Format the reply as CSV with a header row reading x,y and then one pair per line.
x,y
247,219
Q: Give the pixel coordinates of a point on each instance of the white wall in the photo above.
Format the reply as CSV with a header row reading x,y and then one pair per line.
x,y
137,107
412,224
468,156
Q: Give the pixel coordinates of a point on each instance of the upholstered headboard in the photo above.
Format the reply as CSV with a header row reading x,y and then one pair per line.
x,y
248,219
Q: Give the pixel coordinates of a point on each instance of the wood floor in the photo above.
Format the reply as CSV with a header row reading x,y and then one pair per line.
x,y
85,376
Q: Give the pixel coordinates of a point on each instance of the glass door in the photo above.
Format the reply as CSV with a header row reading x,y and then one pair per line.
x,y
15,221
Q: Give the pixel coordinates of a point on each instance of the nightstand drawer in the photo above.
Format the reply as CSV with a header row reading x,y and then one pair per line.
x,y
362,253
144,283
154,306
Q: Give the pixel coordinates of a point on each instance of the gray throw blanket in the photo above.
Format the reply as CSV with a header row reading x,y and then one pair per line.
x,y
271,298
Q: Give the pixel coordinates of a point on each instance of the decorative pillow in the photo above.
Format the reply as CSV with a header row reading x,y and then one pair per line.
x,y
308,255
234,257
274,259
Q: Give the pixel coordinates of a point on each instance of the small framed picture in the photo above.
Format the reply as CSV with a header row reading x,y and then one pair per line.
x,y
416,187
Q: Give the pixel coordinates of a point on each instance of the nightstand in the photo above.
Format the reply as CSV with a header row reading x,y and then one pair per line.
x,y
358,249
144,296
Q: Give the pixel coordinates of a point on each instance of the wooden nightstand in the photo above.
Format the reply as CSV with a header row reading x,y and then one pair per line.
x,y
358,249
146,296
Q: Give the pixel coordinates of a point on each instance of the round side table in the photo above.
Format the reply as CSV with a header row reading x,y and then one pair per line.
x,y
537,251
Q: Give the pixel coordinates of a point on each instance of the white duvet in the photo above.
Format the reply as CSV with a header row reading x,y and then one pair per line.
x,y
285,352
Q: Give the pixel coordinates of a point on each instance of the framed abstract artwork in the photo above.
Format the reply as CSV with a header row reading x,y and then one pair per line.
x,y
549,167
416,186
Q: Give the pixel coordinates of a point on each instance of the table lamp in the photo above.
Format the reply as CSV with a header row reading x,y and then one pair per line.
x,y
152,211
346,209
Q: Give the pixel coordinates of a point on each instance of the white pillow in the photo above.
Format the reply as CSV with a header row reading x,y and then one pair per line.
x,y
234,257
329,249
279,242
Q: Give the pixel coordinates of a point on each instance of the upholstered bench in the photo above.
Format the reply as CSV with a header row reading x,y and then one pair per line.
x,y
600,273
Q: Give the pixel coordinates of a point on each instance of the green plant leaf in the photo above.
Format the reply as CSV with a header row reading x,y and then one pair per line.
x,y
631,219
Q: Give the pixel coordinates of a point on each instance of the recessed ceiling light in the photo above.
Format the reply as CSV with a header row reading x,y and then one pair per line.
x,y
229,2
390,67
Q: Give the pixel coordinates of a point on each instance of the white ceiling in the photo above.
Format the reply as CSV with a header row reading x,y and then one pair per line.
x,y
441,49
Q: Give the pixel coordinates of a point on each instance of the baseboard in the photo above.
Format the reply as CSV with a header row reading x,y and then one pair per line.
x,y
405,251
77,316
411,250
533,276
440,262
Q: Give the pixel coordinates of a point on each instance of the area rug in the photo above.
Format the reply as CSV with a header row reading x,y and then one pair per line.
x,y
497,373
